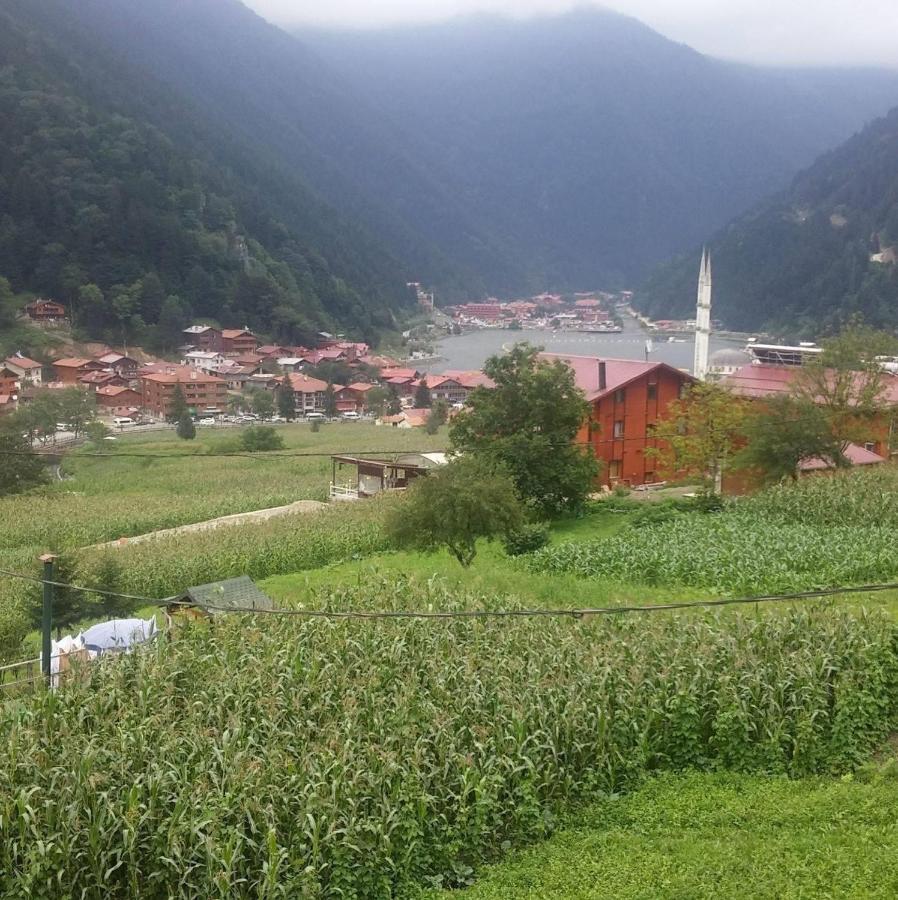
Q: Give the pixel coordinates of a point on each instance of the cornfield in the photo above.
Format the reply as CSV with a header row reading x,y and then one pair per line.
x,y
278,757
819,533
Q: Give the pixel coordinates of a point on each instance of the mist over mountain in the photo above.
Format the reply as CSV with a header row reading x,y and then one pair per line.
x,y
813,257
590,142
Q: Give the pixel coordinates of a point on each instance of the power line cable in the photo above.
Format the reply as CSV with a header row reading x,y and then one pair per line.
x,y
579,612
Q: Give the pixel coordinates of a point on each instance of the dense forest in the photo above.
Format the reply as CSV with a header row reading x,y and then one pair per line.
x,y
818,254
139,229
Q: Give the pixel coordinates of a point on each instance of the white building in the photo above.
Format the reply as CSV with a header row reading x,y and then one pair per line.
x,y
204,360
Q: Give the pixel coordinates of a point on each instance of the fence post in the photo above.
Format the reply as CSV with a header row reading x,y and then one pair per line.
x,y
47,615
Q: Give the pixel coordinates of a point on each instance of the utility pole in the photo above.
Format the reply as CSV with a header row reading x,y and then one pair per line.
x,y
47,615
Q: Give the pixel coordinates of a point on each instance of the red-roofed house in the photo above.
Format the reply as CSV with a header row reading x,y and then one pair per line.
x,y
201,391
757,382
408,418
353,397
28,370
455,387
119,363
627,397
45,311
71,369
116,400
9,381
203,337
238,341
94,380
308,393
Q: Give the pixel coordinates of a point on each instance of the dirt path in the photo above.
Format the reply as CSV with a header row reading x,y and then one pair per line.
x,y
247,518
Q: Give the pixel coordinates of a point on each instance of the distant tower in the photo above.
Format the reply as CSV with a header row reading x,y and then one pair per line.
x,y
703,319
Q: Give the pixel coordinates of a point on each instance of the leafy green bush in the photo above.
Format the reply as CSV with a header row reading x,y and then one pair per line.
x,y
526,539
288,757
259,438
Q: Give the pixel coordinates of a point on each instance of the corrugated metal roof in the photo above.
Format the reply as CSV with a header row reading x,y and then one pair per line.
x,y
232,593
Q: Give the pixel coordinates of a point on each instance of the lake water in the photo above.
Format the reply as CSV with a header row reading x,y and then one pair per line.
x,y
469,351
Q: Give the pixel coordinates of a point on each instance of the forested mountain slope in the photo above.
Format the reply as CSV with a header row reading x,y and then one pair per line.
x,y
262,87
816,255
594,144
126,202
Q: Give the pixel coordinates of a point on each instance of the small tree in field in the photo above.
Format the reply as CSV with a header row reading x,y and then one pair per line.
x,y
437,416
261,438
262,404
21,468
422,395
286,400
186,429
701,433
178,407
785,432
454,506
330,402
529,423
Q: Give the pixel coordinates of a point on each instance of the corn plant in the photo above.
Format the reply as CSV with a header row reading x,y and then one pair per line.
x,y
270,756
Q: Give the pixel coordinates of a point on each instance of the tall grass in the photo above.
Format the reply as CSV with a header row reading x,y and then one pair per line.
x,y
278,757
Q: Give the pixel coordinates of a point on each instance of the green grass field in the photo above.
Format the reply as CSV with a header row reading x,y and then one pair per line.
x,y
720,836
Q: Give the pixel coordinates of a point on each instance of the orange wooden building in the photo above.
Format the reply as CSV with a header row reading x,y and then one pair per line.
x,y
628,398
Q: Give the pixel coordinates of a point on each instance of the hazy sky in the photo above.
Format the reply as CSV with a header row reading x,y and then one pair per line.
x,y
777,31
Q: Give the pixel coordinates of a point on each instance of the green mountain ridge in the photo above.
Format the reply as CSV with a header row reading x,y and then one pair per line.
x,y
804,262
592,143
112,179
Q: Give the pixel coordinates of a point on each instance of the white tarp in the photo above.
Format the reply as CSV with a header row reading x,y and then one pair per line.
x,y
116,635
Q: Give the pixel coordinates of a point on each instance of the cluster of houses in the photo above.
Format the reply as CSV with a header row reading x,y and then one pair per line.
x,y
217,363
584,311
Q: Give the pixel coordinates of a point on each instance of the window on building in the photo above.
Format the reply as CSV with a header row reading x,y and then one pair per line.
x,y
652,390
871,446
614,468
619,428
619,395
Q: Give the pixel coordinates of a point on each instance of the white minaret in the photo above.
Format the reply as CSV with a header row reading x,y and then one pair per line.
x,y
703,319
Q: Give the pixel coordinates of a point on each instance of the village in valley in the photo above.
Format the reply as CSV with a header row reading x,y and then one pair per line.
x,y
566,572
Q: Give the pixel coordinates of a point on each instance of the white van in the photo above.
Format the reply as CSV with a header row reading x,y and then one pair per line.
x,y
122,421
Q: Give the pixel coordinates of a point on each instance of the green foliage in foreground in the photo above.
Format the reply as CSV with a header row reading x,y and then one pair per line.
x,y
821,532
455,506
164,566
281,757
722,836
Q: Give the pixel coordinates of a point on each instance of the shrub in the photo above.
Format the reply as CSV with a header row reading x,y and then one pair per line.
x,y
526,539
260,438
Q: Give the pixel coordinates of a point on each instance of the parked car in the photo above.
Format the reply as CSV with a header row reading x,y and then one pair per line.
x,y
247,417
208,420
320,416
351,416
277,419
122,421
